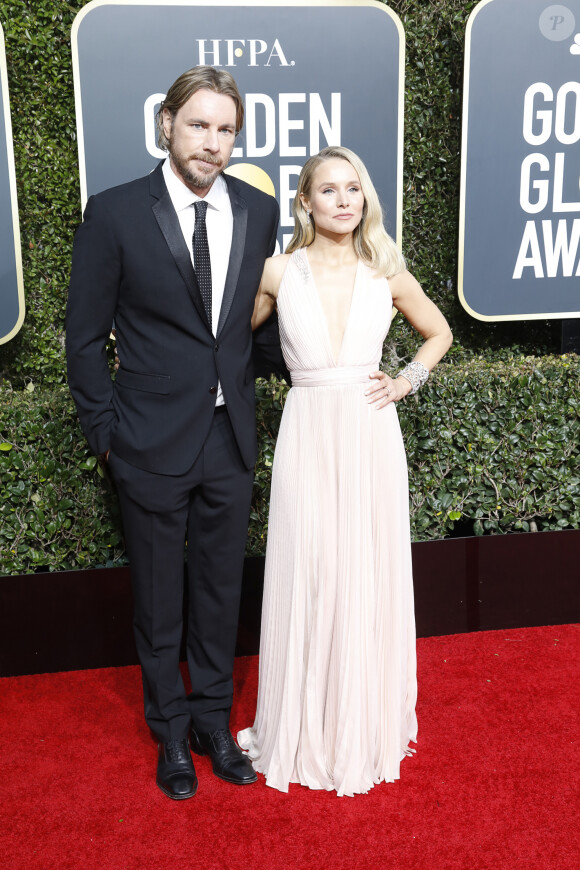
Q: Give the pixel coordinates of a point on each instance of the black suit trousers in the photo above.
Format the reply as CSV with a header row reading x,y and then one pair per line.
x,y
209,508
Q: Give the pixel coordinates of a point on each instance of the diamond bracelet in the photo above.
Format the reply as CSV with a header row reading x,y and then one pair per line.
x,y
416,373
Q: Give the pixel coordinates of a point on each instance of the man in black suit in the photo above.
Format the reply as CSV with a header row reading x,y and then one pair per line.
x,y
175,259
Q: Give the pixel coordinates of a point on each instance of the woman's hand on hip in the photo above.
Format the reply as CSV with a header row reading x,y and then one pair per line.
x,y
384,389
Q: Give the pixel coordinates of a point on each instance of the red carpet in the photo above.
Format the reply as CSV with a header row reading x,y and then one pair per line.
x,y
494,783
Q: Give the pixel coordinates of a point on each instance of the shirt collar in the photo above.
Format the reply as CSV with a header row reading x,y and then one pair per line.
x,y
182,197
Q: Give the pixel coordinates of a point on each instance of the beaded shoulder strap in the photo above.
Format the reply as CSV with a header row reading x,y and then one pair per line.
x,y
302,263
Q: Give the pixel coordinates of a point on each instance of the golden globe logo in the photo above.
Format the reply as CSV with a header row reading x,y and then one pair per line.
x,y
228,52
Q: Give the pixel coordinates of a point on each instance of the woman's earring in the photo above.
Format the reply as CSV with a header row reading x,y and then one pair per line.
x,y
307,217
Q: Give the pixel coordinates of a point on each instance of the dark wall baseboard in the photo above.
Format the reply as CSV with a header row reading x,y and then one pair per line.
x,y
74,620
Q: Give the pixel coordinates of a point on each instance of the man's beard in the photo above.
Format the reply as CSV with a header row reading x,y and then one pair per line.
x,y
198,180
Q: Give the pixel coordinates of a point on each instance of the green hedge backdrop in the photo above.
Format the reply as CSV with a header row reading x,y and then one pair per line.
x,y
492,440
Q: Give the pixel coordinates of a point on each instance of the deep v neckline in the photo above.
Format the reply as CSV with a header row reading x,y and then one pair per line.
x,y
323,317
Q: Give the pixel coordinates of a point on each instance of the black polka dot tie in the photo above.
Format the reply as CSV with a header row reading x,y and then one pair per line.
x,y
201,260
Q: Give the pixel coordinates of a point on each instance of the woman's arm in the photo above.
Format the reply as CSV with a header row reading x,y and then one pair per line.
x,y
425,317
409,299
268,290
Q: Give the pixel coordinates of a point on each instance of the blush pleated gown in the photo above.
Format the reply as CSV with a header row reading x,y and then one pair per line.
x,y
337,680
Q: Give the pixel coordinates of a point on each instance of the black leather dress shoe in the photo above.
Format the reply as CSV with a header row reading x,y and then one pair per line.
x,y
228,760
175,771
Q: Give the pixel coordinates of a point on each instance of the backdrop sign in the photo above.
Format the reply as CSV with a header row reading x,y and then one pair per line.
x,y
11,283
519,247
312,74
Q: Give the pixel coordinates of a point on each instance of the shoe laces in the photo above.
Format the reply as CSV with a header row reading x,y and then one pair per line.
x,y
177,751
222,740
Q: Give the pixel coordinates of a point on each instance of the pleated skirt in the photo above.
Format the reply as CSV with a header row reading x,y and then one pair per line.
x,y
337,686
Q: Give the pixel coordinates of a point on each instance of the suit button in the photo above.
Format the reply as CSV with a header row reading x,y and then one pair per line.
x,y
216,348
213,390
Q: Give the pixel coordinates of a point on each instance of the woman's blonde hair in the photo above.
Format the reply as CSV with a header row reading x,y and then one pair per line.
x,y
371,241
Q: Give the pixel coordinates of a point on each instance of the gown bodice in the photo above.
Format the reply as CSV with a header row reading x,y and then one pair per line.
x,y
304,332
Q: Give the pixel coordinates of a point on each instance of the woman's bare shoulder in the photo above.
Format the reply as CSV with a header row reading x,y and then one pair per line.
x,y
277,264
273,271
403,283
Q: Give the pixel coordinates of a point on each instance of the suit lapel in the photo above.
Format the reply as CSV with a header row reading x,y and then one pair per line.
x,y
240,215
169,225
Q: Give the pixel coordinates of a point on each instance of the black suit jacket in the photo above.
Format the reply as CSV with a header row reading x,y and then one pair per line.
x,y
131,265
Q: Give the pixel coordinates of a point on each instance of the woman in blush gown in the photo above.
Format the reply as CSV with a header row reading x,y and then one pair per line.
x,y
337,686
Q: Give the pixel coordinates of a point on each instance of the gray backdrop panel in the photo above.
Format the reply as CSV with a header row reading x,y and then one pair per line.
x,y
9,294
509,52
127,53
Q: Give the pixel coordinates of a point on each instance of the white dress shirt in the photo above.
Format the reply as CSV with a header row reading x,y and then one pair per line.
x,y
219,223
